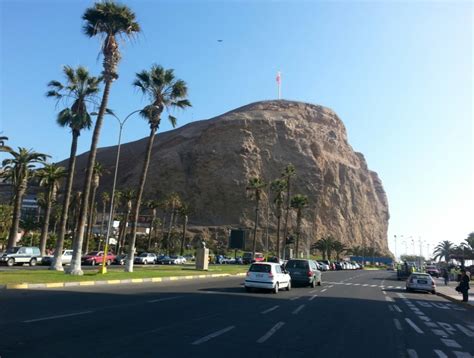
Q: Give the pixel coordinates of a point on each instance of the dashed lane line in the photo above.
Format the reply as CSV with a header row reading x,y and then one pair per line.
x,y
271,332
164,299
313,291
414,326
397,323
324,290
213,335
270,309
294,298
58,316
313,297
298,309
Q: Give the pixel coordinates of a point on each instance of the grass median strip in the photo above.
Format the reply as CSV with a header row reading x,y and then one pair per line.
x,y
115,274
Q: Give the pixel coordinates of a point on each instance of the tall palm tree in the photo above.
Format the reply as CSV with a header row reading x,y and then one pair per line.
x,y
325,245
3,147
278,187
152,205
173,203
105,198
339,248
470,240
126,197
165,92
443,249
81,90
288,173
98,172
50,176
256,186
19,169
299,202
109,21
184,212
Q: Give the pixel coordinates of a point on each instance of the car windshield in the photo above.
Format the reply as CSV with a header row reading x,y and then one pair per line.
x,y
12,250
247,255
421,277
92,253
260,268
296,264
143,255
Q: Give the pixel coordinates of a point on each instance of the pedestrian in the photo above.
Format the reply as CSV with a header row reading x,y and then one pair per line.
x,y
446,277
463,286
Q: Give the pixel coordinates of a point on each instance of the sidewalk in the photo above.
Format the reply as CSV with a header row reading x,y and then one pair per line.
x,y
450,293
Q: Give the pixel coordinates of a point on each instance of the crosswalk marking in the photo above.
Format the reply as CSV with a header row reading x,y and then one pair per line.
x,y
465,330
440,354
462,354
439,332
414,326
412,353
450,343
397,324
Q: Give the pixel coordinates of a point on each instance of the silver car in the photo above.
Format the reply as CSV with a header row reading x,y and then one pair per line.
x,y
21,255
418,281
146,258
66,258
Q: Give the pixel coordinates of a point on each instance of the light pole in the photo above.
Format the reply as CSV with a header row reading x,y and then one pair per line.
x,y
103,268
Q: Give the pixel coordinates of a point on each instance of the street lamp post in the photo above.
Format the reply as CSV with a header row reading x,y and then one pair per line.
x,y
103,268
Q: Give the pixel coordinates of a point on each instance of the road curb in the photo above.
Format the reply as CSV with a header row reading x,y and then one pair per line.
x,y
454,299
27,286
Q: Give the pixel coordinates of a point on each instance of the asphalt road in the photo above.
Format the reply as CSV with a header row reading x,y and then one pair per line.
x,y
353,314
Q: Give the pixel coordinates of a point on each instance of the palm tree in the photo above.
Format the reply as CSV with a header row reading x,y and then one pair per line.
x,y
109,21
81,89
152,205
339,248
256,185
173,203
98,172
105,197
278,186
325,245
126,197
184,212
443,249
50,176
470,240
165,92
288,173
299,202
3,147
19,169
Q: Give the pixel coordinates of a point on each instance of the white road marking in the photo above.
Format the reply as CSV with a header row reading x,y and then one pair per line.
x,y
424,304
294,298
412,353
397,309
390,308
270,332
165,299
296,311
324,290
384,292
424,318
440,354
431,324
365,285
330,286
373,285
389,299
450,343
401,295
462,354
58,316
270,309
440,332
440,305
465,330
313,291
313,297
399,287
471,326
213,335
414,326
390,286
356,284
448,327
397,324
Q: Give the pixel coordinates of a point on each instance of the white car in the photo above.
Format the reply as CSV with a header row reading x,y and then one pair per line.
x,y
324,266
146,258
66,258
418,281
267,275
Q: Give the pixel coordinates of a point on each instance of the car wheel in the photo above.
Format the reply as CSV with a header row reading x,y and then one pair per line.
x,y
313,284
93,263
108,262
408,289
275,289
33,262
433,292
248,289
319,283
11,262
289,286
144,262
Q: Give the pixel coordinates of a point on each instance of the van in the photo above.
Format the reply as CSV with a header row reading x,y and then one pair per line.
x,y
21,255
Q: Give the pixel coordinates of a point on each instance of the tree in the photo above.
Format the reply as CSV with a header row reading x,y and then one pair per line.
x,y
288,173
299,202
81,90
126,197
278,186
443,250
183,212
256,186
3,147
6,213
325,245
173,203
19,169
152,205
165,92
470,240
50,176
107,20
105,198
98,172
339,248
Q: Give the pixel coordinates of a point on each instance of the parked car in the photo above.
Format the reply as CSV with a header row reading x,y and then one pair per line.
x,y
432,271
163,260
145,258
248,258
304,272
418,281
324,266
120,259
21,255
327,262
267,275
172,260
96,257
66,258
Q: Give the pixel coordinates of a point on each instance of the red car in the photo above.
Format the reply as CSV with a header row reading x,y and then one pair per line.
x,y
96,257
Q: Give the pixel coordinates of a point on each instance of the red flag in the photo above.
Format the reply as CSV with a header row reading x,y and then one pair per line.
x,y
278,78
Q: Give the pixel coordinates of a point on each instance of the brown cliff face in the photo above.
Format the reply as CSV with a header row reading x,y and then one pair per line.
x,y
210,162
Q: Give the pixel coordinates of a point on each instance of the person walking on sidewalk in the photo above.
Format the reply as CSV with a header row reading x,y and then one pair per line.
x,y
464,285
446,277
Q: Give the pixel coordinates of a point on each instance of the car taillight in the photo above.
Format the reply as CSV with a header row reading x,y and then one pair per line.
x,y
433,283
310,273
270,275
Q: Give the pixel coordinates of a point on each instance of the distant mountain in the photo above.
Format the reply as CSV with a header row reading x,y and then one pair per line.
x,y
210,162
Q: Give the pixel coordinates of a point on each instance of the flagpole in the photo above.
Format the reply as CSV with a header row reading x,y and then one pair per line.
x,y
278,79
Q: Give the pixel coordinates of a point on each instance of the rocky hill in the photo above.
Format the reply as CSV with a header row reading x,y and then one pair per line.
x,y
210,162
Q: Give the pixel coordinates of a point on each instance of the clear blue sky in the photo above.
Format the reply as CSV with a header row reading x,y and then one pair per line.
x,y
399,74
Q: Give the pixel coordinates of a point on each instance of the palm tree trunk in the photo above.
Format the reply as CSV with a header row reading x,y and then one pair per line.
x,y
90,222
278,231
16,215
136,211
181,251
254,245
287,210
75,268
149,233
298,229
122,232
47,214
168,234
104,204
